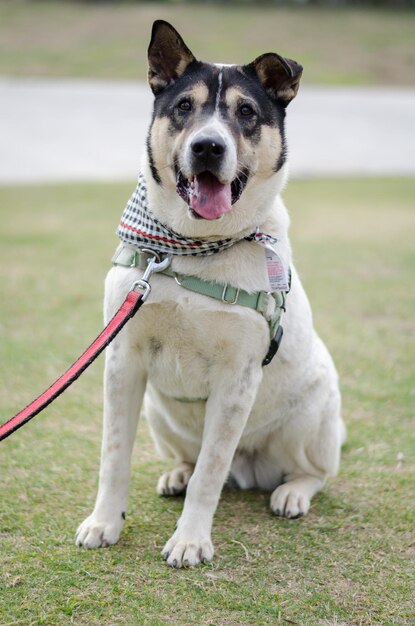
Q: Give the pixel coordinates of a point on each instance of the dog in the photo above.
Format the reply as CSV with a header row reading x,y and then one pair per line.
x,y
212,175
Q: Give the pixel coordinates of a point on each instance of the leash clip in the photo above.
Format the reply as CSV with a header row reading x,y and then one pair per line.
x,y
153,265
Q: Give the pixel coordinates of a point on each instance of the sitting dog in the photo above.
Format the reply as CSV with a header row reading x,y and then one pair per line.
x,y
198,356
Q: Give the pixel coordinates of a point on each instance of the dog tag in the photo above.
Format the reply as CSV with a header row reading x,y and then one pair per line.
x,y
277,274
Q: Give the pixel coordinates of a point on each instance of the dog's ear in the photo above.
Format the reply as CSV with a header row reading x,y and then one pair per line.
x,y
168,56
279,76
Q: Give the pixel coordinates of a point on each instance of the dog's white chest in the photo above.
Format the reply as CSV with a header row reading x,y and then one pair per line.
x,y
186,343
174,351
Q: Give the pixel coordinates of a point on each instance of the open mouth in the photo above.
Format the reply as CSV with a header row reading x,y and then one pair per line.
x,y
208,198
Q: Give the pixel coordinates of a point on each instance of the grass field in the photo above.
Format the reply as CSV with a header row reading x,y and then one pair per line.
x,y
336,45
348,563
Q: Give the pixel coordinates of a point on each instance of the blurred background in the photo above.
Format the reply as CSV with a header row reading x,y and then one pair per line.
x,y
355,113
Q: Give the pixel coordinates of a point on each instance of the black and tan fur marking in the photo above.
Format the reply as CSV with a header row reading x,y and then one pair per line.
x,y
249,99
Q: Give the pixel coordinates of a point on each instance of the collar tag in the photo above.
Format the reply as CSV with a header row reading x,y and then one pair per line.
x,y
277,274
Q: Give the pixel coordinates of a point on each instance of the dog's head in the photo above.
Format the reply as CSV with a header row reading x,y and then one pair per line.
x,y
216,143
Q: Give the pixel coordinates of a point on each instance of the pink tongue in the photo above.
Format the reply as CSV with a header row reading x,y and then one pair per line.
x,y
211,198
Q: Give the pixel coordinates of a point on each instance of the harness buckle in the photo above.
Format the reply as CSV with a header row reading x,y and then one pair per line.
x,y
273,346
223,297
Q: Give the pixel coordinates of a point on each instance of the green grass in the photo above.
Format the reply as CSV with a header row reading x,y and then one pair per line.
x,y
349,562
336,45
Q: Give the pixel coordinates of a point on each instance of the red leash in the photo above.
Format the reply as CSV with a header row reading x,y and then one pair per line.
x,y
129,307
127,310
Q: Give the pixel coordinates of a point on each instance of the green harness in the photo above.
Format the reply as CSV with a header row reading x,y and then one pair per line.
x,y
269,304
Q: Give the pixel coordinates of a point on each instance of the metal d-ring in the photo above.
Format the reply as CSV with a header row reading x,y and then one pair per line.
x,y
152,252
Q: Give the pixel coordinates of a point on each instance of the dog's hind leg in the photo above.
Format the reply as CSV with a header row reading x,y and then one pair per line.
x,y
292,499
174,482
307,462
123,395
174,440
253,470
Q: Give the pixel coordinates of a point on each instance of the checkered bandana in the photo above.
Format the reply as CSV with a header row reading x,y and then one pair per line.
x,y
139,227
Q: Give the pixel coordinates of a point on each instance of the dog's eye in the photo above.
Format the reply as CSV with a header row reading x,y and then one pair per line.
x,y
246,110
185,105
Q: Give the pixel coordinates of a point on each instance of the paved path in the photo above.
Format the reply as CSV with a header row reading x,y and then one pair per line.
x,y
57,130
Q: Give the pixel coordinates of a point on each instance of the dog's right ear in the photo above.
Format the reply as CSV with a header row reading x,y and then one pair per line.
x,y
168,56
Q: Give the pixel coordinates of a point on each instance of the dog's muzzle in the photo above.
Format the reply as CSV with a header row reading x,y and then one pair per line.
x,y
205,191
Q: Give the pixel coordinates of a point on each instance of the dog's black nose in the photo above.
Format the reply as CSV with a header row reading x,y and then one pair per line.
x,y
208,150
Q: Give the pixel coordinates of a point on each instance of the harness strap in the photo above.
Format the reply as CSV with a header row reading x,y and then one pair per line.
x,y
130,306
270,305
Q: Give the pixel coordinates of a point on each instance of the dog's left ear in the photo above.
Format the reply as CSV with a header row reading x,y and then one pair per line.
x,y
168,56
279,76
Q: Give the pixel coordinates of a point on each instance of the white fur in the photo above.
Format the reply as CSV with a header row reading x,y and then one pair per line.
x,y
277,428
214,126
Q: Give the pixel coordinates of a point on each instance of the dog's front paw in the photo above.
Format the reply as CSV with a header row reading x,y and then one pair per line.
x,y
288,501
95,533
186,551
